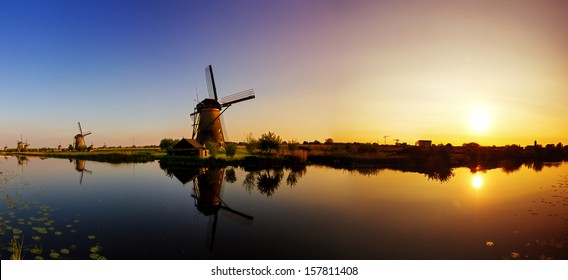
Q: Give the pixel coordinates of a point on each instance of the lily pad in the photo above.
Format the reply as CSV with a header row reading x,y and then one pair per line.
x,y
36,251
97,257
36,238
58,233
55,255
40,229
16,231
95,249
65,251
38,258
91,237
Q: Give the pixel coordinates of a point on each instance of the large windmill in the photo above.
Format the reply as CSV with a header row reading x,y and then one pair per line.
x,y
207,125
80,139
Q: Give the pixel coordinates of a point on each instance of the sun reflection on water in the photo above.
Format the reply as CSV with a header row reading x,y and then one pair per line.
x,y
477,181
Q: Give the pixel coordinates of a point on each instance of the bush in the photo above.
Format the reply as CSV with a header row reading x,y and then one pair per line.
x,y
230,149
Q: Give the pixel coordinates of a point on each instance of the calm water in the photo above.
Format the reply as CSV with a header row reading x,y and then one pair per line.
x,y
64,209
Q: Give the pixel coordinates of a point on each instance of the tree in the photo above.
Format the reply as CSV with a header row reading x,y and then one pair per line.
x,y
211,147
269,142
230,149
251,143
167,144
328,141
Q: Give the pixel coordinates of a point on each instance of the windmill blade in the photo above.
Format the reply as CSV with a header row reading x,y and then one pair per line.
x,y
236,216
211,88
81,179
80,129
88,133
224,131
237,97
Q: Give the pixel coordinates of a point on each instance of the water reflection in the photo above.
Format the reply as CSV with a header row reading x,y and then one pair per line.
x,y
22,160
267,181
80,167
207,192
477,180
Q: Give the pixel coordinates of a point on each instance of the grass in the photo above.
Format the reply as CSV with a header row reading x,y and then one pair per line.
x,y
16,249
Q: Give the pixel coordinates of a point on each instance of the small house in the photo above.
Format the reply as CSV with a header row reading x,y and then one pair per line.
x,y
189,147
424,143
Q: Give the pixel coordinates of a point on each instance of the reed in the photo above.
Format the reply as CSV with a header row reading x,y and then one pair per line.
x,y
16,249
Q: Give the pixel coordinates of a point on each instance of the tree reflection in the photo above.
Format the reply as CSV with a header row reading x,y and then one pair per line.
x,y
230,175
267,181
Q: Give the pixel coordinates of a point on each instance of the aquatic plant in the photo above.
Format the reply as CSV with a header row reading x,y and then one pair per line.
x,y
16,249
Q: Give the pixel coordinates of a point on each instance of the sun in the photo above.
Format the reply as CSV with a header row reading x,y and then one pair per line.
x,y
479,122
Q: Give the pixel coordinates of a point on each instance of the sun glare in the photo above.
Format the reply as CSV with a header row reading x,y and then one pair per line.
x,y
477,181
479,122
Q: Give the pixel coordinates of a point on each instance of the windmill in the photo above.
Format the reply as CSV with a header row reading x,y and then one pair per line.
x,y
5,147
80,139
26,145
207,125
20,144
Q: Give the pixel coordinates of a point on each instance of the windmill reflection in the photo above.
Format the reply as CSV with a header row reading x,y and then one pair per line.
x,y
80,167
22,160
207,192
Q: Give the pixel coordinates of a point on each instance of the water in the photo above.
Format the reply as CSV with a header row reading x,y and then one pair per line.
x,y
62,209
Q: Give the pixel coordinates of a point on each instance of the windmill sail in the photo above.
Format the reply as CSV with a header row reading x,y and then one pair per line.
x,y
211,88
237,97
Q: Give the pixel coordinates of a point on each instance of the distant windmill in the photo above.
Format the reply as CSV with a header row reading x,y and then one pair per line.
x,y
80,139
207,125
385,137
26,145
396,141
5,147
20,146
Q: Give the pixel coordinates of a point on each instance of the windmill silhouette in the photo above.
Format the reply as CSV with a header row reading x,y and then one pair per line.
x,y
80,139
206,116
20,146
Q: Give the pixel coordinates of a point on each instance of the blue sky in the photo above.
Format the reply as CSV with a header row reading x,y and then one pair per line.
x,y
350,70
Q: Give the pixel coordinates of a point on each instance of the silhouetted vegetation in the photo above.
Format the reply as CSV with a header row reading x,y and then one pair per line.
x,y
230,149
167,144
268,142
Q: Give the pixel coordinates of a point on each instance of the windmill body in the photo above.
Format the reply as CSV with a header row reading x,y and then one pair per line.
x,y
207,121
20,145
79,139
209,128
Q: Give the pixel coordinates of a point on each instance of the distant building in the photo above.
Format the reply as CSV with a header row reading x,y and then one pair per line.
x,y
424,143
189,147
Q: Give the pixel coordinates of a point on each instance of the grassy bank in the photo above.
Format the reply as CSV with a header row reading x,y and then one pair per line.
x,y
354,155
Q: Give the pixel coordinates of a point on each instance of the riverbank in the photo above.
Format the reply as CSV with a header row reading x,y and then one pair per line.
x,y
348,156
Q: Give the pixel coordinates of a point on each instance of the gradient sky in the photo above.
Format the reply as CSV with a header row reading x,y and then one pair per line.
x,y
353,71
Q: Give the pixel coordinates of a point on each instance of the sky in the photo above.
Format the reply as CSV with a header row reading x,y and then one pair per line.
x,y
491,72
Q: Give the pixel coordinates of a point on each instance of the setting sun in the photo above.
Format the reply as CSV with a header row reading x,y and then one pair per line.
x,y
479,122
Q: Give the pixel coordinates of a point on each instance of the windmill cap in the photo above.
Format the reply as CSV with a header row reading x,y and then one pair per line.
x,y
208,103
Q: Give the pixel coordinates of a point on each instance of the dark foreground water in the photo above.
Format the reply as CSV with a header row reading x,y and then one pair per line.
x,y
62,209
